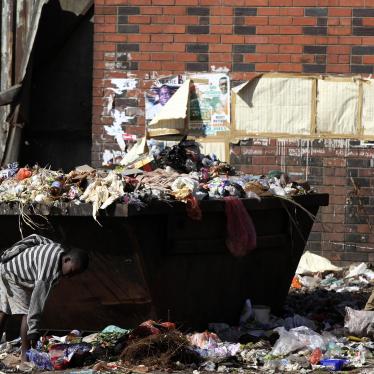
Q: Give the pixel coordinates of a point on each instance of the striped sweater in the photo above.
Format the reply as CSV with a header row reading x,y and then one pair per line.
x,y
34,262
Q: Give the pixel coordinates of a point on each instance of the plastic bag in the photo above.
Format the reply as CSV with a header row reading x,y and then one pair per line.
x,y
241,233
63,355
40,359
359,322
296,339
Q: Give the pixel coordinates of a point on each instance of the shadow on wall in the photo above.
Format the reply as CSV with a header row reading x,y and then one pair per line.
x,y
58,132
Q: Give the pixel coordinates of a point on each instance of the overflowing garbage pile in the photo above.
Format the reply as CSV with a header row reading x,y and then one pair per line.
x,y
323,327
180,172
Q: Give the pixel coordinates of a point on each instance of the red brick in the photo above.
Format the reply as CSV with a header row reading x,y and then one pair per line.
x,y
186,20
278,58
99,19
162,38
291,12
294,68
150,10
106,47
268,11
303,59
184,38
304,21
368,21
332,59
221,29
163,2
187,57
340,12
175,47
233,2
267,48
105,28
350,40
267,30
253,3
257,20
217,20
337,69
343,59
333,21
367,40
163,56
343,30
220,48
221,11
121,38
290,30
280,20
110,19
304,39
162,19
280,39
151,47
339,49
133,38
105,10
140,56
150,65
140,19
345,21
257,39
290,49
280,2
308,3
327,40
220,57
176,10
354,3
254,58
325,3
188,2
232,39
209,38
267,67
174,66
368,59
167,29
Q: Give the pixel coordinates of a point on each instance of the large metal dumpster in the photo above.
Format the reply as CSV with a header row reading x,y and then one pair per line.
x,y
157,263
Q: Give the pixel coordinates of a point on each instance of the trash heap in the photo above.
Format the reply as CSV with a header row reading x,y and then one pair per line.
x,y
322,327
180,172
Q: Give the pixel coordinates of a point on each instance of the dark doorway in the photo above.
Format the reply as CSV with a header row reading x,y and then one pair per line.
x,y
58,130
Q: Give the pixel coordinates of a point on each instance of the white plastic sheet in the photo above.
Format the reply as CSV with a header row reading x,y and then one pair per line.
x,y
312,263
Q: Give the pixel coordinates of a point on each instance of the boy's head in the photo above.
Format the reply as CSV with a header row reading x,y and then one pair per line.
x,y
74,261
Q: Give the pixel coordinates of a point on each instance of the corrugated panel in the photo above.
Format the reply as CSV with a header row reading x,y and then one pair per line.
x,y
20,20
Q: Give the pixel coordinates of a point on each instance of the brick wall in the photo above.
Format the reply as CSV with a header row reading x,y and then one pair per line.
x,y
145,39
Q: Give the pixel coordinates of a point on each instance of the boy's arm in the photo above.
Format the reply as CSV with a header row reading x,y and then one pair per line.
x,y
20,246
32,241
38,298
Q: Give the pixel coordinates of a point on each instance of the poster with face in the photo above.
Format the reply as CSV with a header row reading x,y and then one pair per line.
x,y
209,103
160,93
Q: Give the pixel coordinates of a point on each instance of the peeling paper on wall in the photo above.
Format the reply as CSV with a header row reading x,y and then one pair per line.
x,y
337,107
273,105
124,84
171,118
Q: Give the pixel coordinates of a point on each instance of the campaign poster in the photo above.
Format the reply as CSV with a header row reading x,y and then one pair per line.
x,y
160,93
209,106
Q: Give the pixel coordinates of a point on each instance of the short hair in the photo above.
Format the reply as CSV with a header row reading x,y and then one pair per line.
x,y
79,256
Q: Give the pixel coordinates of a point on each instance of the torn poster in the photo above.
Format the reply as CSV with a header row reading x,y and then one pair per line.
x,y
160,93
209,105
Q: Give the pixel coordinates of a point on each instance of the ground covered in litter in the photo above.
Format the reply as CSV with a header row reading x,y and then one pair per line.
x,y
323,327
